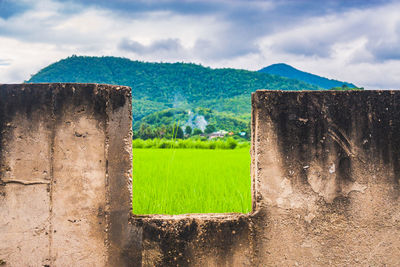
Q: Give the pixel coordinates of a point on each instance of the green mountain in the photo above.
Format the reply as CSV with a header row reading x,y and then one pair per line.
x,y
177,87
197,117
288,71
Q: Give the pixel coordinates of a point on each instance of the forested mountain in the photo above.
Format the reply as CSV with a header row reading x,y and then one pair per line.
x,y
288,71
180,87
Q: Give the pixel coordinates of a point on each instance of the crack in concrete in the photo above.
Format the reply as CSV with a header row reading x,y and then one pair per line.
x,y
23,182
51,184
343,141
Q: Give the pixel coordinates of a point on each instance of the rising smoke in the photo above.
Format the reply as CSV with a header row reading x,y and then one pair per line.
x,y
196,121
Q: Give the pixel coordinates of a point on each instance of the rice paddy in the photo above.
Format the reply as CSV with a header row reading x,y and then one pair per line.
x,y
179,181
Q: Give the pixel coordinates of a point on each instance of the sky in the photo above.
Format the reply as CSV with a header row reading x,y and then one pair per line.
x,y
356,41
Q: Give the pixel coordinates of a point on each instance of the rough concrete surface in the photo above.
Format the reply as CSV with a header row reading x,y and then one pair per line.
x,y
57,173
191,240
325,181
325,173
327,169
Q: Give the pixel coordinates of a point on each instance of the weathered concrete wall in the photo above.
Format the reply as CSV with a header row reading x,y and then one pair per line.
x,y
65,174
327,169
191,240
325,181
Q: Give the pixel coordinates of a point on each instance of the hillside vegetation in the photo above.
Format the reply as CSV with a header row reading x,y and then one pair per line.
x,y
287,71
184,94
182,86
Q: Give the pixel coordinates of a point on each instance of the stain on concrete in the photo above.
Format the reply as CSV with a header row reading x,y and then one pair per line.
x,y
315,128
327,172
192,240
53,172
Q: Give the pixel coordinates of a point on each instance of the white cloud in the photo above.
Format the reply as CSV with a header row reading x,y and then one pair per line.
x,y
351,46
25,59
35,38
360,45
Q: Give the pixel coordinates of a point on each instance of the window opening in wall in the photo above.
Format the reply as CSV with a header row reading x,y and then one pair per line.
x,y
179,170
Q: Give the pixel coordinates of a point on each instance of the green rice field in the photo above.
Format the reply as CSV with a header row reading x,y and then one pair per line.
x,y
179,181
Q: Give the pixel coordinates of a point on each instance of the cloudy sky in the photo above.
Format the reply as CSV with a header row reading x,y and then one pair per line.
x,y
352,40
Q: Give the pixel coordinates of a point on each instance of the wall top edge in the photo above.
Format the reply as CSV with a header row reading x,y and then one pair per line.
x,y
61,85
268,91
190,216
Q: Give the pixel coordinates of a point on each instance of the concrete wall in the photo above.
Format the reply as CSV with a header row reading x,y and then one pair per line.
x,y
65,172
325,182
327,169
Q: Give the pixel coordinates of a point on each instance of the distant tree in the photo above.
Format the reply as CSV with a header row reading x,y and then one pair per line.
x,y
169,132
344,87
179,133
188,130
161,131
248,131
174,131
209,129
145,131
232,143
134,135
197,131
206,112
